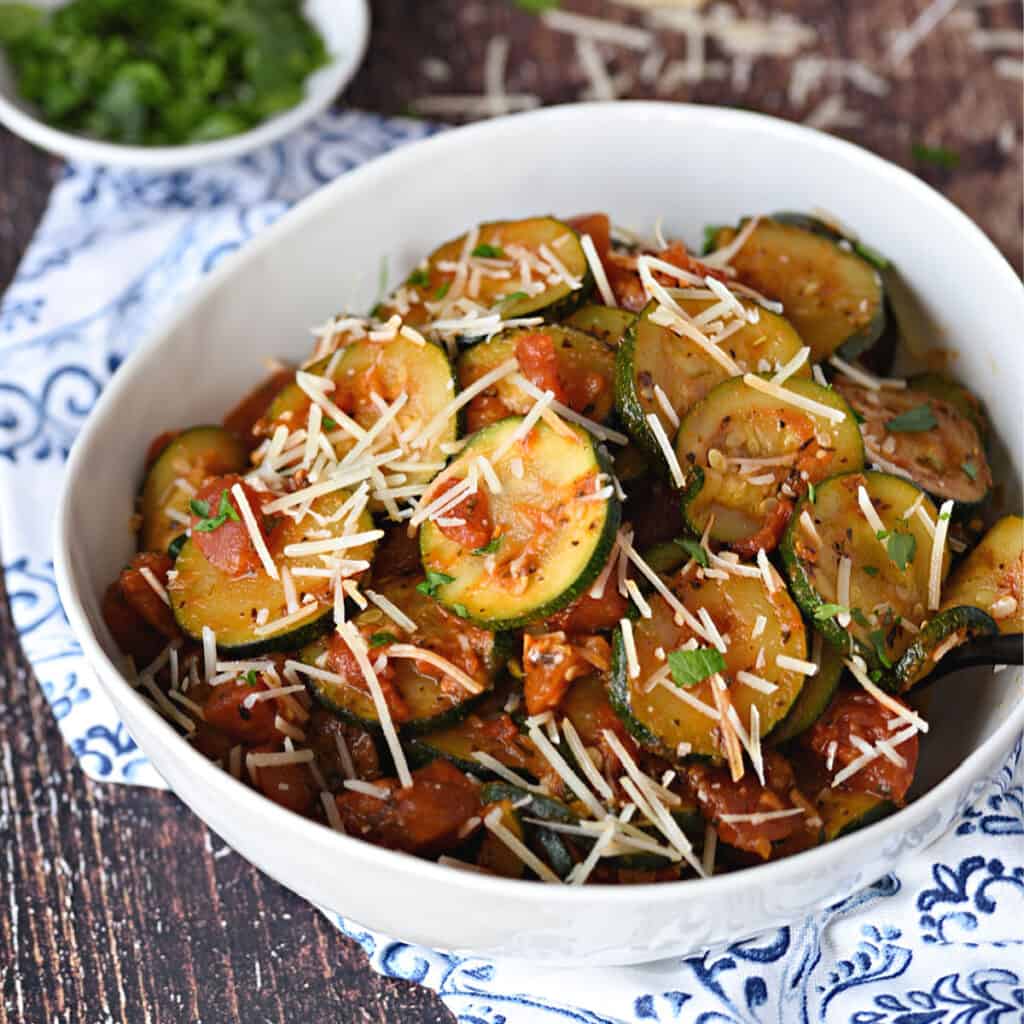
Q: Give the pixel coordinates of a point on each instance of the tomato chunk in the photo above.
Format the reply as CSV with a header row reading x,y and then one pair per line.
x,y
424,819
856,713
136,584
288,785
220,532
718,795
591,614
475,511
228,709
539,362
131,632
552,662
340,659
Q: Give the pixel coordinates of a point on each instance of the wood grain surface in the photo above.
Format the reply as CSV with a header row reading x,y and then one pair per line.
x,y
116,904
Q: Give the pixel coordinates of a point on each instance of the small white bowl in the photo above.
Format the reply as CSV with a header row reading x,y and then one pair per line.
x,y
692,165
345,27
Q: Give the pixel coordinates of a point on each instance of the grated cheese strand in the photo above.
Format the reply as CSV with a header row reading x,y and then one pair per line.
x,y
938,552
666,449
766,387
255,535
493,823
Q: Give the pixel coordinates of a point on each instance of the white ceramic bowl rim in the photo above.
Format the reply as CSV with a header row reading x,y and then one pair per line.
x,y
249,802
320,89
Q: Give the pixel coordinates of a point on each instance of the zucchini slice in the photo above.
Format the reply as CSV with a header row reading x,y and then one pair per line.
x,y
551,536
654,355
923,437
190,458
748,456
843,811
659,718
889,577
203,595
606,323
549,845
431,704
832,295
492,273
584,367
818,691
991,577
386,370
942,633
969,405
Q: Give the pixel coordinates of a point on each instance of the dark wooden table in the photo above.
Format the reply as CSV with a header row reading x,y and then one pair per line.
x,y
117,904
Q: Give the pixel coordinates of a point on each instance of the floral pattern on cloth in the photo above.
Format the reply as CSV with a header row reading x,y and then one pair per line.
x,y
943,943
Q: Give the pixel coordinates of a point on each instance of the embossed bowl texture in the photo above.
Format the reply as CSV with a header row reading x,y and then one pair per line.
x,y
691,165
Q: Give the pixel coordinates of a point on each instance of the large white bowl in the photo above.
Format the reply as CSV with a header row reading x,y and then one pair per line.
x,y
345,27
640,161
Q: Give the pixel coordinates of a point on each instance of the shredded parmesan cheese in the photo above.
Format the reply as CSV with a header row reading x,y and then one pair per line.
x,y
938,552
768,387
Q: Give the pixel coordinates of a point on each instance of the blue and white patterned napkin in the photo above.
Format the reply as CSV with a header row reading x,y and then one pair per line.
x,y
941,944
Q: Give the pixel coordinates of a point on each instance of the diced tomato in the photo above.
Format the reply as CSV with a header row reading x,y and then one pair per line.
x,y
772,529
289,785
598,226
131,632
856,713
242,419
158,444
224,539
424,819
226,709
591,614
551,662
539,362
211,742
340,659
625,281
718,795
475,511
139,592
484,410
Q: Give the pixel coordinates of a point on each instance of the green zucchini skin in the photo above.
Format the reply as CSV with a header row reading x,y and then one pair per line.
x,y
440,555
606,323
812,245
815,696
734,408
651,354
965,622
838,519
202,595
993,571
194,455
551,844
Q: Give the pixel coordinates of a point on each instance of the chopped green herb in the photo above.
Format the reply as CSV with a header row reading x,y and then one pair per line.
x,y
442,290
225,511
691,667
882,534
860,618
901,548
695,550
938,156
514,296
871,570
199,508
828,611
857,416
537,6
164,73
711,237
489,548
383,638
419,278
432,582
913,421
944,517
970,469
878,642
488,252
328,423
875,675
250,677
461,610
873,256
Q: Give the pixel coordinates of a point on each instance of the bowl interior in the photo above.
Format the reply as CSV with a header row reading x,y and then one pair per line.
x,y
689,165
